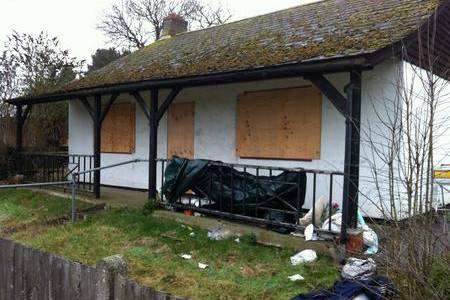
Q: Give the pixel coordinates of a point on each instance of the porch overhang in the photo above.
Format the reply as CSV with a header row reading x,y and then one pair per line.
x,y
336,65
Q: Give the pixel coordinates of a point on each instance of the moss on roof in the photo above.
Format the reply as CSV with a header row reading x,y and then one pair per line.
x,y
326,29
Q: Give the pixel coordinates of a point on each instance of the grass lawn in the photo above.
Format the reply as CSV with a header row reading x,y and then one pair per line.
x,y
152,247
21,207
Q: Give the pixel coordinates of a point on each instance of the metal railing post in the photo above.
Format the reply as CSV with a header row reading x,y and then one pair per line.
x,y
74,198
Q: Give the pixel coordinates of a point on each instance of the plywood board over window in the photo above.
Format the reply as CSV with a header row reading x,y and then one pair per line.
x,y
280,124
181,130
119,129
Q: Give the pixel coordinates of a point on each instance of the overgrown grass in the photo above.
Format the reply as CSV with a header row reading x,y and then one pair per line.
x,y
153,247
19,207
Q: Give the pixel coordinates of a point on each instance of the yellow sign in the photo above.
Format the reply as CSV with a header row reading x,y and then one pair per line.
x,y
444,174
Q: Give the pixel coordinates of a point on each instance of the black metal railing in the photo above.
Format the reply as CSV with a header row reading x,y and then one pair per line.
x,y
52,167
213,197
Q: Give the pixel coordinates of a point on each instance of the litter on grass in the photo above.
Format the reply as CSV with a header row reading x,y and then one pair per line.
x,y
333,222
237,240
218,234
192,234
356,269
305,256
296,277
202,266
186,256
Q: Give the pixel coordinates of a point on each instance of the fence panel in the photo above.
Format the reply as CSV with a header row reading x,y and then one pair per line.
x,y
52,167
27,273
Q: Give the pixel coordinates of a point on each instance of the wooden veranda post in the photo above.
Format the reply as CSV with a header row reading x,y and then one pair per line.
x,y
98,116
153,119
352,154
97,143
154,113
19,129
350,108
21,117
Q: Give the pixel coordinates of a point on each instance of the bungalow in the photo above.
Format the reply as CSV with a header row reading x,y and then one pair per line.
x,y
296,88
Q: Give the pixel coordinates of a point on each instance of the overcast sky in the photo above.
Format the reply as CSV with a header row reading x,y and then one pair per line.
x,y
74,21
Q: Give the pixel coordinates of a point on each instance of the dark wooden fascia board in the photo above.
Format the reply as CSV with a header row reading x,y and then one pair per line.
x,y
335,65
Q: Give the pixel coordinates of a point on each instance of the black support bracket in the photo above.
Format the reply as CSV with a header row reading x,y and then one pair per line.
x,y
331,92
161,109
92,111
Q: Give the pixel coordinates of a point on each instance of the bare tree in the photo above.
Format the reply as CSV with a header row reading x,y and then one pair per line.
x,y
9,81
208,15
411,118
132,23
35,64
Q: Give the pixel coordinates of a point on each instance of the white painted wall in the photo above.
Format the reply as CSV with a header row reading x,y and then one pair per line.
x,y
215,133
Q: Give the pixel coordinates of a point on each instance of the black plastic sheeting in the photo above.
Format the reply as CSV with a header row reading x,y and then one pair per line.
x,y
235,191
376,288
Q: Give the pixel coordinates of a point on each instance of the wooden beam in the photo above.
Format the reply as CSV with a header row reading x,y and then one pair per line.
x,y
352,154
108,107
141,103
19,128
291,70
153,144
26,112
328,89
97,143
173,93
88,107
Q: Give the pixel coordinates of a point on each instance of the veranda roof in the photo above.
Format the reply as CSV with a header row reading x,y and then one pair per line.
x,y
325,30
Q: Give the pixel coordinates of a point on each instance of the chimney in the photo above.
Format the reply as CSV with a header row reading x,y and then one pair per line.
x,y
173,24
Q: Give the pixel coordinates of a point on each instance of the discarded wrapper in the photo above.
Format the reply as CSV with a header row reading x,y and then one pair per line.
x,y
202,266
305,256
296,277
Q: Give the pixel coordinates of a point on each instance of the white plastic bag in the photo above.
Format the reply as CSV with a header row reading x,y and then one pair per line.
x,y
186,256
310,234
356,268
296,277
202,266
336,221
219,233
305,256
370,239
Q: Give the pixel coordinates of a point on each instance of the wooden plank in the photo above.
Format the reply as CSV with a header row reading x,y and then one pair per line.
x,y
119,287
3,268
119,129
7,266
18,272
42,261
27,273
75,281
280,124
181,130
102,284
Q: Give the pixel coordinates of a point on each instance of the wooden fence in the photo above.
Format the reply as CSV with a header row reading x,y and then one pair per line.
x,y
27,273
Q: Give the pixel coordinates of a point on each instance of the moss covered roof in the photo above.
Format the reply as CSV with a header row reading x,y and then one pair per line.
x,y
321,30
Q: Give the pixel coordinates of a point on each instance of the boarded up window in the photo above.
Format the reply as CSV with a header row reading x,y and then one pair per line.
x,y
181,130
283,124
119,129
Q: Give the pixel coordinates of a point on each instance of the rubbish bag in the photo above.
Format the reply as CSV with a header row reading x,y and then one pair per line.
x,y
370,238
238,192
375,288
356,268
305,256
